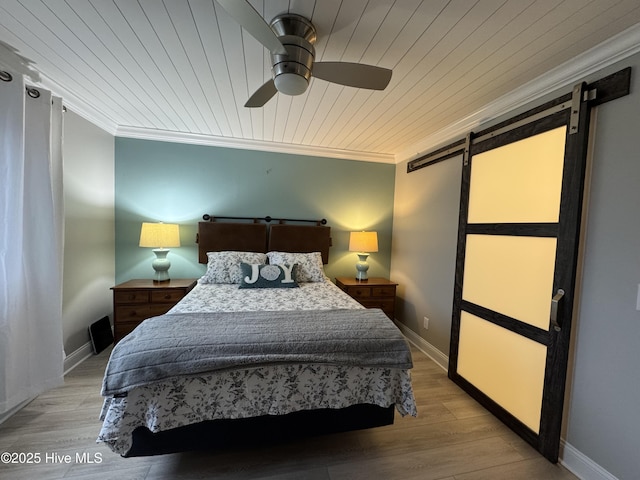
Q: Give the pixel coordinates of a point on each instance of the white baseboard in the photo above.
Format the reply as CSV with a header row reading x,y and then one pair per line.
x,y
425,347
581,465
6,415
77,357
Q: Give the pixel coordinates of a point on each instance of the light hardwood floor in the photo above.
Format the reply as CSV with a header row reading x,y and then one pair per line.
x,y
453,438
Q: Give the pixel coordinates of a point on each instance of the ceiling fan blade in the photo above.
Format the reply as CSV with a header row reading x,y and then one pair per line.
x,y
262,95
252,22
353,74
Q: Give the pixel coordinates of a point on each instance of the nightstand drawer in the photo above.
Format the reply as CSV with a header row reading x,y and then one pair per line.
x,y
159,309
381,303
370,303
373,293
166,296
383,291
132,312
137,300
358,292
140,312
131,296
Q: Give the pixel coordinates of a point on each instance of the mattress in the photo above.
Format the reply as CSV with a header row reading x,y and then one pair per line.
x,y
257,390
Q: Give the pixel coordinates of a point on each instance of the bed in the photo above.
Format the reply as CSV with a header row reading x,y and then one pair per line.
x,y
239,360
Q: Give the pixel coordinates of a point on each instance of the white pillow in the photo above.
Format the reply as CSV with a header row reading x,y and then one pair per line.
x,y
310,267
224,267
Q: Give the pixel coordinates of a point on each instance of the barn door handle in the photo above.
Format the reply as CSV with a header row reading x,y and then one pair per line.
x,y
555,302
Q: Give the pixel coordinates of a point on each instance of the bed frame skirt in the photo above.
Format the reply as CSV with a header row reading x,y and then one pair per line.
x,y
265,430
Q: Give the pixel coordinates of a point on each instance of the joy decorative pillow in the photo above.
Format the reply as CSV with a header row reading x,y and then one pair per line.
x,y
268,276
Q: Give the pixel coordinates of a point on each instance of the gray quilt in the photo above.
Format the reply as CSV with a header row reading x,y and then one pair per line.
x,y
172,345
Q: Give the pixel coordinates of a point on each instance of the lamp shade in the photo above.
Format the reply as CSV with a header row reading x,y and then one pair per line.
x,y
159,235
363,242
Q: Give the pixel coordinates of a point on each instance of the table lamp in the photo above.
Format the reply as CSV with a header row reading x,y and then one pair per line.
x,y
362,243
159,236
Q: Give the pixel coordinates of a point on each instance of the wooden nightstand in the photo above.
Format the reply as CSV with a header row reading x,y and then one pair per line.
x,y
373,293
137,300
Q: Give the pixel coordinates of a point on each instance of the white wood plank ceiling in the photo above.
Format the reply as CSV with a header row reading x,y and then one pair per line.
x,y
183,69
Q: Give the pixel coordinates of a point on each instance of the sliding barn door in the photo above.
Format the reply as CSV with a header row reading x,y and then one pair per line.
x,y
515,274
518,235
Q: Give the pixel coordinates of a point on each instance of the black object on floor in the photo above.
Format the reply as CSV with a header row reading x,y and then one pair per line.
x,y
101,334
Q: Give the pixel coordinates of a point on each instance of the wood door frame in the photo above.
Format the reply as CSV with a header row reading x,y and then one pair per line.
x,y
573,110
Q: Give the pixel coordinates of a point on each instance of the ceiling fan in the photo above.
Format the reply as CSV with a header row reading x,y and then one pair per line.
x,y
290,39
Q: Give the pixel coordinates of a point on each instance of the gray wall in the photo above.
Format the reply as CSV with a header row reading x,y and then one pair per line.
x,y
425,231
89,263
602,420
178,183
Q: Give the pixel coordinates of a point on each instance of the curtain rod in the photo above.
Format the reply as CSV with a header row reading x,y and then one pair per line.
x,y
211,218
7,77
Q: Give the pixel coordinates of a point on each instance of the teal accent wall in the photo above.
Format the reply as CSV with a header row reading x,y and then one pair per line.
x,y
178,183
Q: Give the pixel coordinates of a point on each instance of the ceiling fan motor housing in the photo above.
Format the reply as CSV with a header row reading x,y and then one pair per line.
x,y
291,73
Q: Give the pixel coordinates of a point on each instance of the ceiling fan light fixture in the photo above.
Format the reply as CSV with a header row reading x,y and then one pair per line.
x,y
290,39
291,83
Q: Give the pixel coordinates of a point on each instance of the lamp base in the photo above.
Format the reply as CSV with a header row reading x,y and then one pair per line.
x,y
362,266
161,265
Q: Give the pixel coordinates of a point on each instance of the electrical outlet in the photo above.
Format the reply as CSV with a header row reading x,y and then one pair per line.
x,y
425,321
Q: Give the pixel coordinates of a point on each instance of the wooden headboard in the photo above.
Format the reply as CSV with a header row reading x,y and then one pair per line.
x,y
300,238
215,236
221,236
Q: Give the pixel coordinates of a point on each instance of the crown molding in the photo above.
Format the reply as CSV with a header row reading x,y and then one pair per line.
x,y
607,53
226,142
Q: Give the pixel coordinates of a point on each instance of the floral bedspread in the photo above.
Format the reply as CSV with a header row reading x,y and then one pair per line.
x,y
274,390
224,297
249,392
